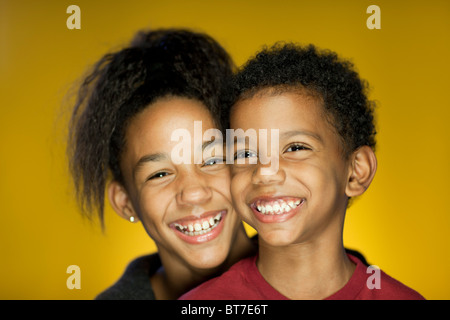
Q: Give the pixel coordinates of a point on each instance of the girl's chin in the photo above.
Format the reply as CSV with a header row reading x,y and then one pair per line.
x,y
207,259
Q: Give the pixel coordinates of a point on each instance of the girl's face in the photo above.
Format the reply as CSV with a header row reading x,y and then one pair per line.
x,y
185,208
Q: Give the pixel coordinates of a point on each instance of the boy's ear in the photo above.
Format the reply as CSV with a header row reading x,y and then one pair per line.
x,y
120,202
363,167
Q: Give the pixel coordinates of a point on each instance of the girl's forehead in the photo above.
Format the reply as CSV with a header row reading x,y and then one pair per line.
x,y
169,114
158,126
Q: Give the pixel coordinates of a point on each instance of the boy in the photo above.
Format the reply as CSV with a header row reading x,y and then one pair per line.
x,y
325,157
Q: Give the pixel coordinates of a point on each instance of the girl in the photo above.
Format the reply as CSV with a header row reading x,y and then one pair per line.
x,y
120,140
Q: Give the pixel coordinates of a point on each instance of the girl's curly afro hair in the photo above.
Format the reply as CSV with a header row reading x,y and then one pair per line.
x,y
156,64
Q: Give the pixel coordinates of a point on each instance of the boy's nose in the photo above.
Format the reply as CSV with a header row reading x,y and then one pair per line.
x,y
264,174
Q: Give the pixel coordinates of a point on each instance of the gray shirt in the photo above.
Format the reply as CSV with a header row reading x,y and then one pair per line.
x,y
134,284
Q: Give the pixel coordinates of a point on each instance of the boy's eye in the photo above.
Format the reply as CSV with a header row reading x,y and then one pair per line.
x,y
244,154
297,147
245,157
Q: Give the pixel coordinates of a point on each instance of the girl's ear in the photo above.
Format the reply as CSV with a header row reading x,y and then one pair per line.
x,y
120,202
363,167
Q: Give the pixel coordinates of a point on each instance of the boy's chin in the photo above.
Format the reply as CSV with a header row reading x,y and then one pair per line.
x,y
278,237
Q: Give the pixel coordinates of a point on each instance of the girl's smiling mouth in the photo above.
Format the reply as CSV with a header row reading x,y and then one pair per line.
x,y
278,209
195,230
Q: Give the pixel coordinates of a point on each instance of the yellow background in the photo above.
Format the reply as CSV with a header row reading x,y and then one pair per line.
x,y
402,223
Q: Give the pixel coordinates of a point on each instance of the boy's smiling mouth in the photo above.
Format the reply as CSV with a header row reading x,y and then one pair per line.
x,y
276,209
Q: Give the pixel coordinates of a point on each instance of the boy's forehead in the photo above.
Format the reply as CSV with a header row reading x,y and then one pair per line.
x,y
273,108
274,90
294,116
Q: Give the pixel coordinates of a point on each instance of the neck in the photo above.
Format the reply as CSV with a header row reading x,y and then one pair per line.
x,y
313,270
175,277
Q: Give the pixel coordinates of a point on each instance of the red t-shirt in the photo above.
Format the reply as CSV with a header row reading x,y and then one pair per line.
x,y
244,282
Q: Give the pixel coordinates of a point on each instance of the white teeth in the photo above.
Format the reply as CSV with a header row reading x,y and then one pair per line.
x,y
277,207
199,228
178,226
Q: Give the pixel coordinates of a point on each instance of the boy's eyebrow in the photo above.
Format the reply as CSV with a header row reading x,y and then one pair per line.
x,y
292,133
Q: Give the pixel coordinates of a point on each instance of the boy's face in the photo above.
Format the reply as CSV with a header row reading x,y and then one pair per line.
x,y
305,199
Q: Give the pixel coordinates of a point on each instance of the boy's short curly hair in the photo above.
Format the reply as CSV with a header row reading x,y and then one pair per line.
x,y
291,67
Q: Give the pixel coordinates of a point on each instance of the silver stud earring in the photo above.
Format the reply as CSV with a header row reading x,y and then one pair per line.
x,y
131,219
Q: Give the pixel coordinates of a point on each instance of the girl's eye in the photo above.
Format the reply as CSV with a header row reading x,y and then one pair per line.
x,y
213,161
297,147
158,175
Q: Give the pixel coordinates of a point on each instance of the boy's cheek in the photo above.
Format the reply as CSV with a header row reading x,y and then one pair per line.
x,y
235,170
245,169
240,178
239,183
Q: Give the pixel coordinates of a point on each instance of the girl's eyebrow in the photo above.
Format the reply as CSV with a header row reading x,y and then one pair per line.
x,y
292,133
206,144
154,157
210,143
